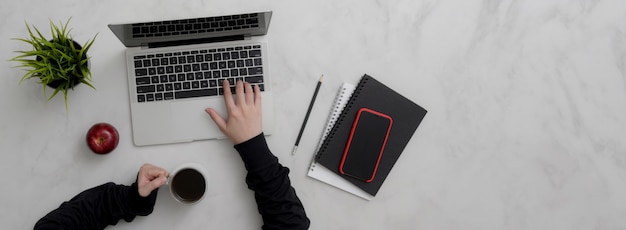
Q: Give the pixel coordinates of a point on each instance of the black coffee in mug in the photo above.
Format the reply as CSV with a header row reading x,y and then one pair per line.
x,y
188,185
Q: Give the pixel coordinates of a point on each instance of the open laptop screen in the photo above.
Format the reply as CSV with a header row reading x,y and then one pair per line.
x,y
192,29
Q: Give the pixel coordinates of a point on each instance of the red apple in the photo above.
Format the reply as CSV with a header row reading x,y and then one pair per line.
x,y
102,138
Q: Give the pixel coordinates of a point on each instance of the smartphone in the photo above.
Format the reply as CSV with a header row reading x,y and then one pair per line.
x,y
366,144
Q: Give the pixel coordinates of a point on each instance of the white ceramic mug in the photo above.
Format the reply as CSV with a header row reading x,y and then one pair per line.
x,y
188,183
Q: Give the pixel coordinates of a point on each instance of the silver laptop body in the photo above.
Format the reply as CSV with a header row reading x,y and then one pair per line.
x,y
175,69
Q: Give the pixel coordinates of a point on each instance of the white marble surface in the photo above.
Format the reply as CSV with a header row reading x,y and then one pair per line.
x,y
525,128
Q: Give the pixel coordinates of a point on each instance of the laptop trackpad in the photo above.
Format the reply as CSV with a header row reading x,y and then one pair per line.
x,y
191,122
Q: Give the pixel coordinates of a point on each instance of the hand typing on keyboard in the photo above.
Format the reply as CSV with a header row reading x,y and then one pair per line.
x,y
244,119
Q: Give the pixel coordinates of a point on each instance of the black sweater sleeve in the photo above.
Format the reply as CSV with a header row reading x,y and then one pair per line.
x,y
99,207
277,201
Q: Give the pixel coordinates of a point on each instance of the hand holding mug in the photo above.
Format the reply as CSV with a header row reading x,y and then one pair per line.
x,y
150,178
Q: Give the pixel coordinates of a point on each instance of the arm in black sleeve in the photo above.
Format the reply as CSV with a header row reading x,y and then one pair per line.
x,y
99,207
277,201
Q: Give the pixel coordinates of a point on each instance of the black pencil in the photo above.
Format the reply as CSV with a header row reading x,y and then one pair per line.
x,y
308,112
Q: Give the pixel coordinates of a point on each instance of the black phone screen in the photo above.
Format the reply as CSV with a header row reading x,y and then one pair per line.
x,y
365,145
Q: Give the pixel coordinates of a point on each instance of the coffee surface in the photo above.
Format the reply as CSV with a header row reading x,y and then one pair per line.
x,y
189,185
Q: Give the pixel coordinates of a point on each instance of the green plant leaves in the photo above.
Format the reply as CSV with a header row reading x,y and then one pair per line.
x,y
59,61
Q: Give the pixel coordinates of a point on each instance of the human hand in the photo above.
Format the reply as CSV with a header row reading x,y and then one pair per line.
x,y
244,113
150,178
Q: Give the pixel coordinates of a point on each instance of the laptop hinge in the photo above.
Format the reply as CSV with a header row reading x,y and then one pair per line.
x,y
195,41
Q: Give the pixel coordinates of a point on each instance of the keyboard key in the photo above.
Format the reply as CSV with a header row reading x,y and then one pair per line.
x,y
225,73
178,68
195,93
255,79
240,63
191,59
160,70
164,61
196,67
178,86
199,76
173,60
243,54
204,84
234,72
217,57
199,58
163,78
216,74
208,57
158,96
207,75
138,64
160,88
154,79
195,84
255,53
171,77
152,71
232,90
168,96
249,62
169,69
212,83
222,65
169,87
142,80
213,65
243,72
147,63
231,64
255,70
141,98
190,76
187,68
226,56
156,62
258,62
141,72
186,85
204,66
181,77
149,97
234,55
182,60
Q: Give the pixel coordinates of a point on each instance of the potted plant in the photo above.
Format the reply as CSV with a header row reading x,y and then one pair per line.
x,y
60,62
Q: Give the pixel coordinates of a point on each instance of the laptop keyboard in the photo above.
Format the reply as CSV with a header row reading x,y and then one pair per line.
x,y
196,73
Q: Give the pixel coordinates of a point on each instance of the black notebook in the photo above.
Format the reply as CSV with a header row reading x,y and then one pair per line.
x,y
371,95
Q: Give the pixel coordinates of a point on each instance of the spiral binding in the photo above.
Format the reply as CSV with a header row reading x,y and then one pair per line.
x,y
342,116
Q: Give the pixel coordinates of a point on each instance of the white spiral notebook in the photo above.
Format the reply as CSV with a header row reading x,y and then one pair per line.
x,y
322,173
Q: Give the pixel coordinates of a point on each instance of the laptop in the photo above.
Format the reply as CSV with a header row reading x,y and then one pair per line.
x,y
175,70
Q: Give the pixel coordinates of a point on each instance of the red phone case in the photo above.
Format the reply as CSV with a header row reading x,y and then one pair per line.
x,y
354,125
